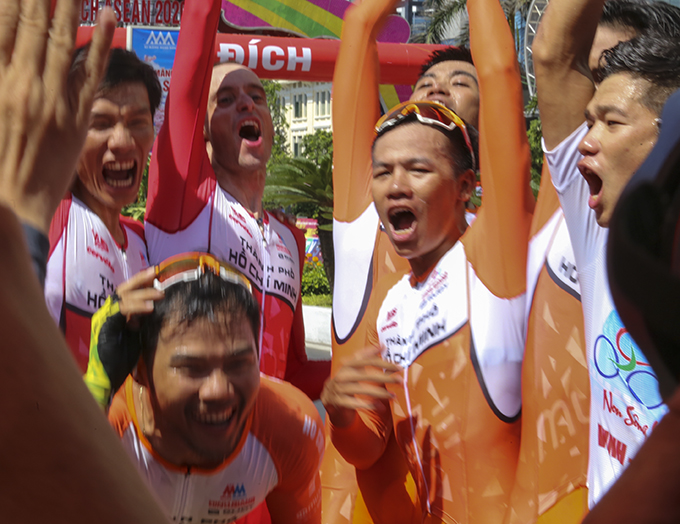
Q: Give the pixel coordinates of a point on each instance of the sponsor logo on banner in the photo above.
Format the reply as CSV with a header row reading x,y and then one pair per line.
x,y
157,48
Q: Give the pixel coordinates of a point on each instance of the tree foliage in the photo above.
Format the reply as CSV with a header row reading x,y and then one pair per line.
x,y
317,145
296,181
280,142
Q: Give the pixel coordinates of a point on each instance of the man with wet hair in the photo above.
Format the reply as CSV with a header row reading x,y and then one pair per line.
x,y
206,181
590,163
93,248
212,438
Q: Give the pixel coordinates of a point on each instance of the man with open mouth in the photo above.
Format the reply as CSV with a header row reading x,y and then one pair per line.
x,y
452,328
590,163
93,248
212,438
206,182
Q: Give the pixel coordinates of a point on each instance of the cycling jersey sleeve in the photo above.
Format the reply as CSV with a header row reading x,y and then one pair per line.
x,y
178,168
364,441
502,227
307,375
297,450
114,351
573,193
356,106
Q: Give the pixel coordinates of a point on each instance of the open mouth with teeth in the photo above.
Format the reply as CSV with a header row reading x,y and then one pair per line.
x,y
594,184
250,131
217,420
403,223
120,174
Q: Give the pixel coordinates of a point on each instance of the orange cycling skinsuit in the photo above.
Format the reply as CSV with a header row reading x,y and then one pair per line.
x,y
363,253
466,341
278,454
553,460
187,210
84,267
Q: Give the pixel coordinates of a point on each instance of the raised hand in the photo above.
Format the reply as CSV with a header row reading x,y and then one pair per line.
x,y
359,384
44,103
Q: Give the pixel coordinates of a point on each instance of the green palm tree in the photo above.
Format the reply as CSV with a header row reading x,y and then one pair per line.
x,y
301,181
444,12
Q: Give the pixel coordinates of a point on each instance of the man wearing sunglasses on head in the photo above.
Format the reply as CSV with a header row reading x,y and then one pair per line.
x,y
212,438
367,248
364,253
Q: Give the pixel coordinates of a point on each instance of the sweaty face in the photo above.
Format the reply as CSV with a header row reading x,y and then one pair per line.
x,y
606,37
420,200
116,148
205,379
454,84
238,124
621,135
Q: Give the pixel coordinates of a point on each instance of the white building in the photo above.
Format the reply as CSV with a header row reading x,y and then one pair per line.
x,y
307,106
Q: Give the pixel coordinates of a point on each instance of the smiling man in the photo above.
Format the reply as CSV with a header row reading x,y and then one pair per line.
x,y
212,438
206,182
93,248
590,163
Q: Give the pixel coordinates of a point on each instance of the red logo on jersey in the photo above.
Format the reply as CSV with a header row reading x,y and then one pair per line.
x,y
391,313
232,490
99,242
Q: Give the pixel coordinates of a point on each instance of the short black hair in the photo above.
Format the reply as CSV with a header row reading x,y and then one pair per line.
x,y
642,16
460,154
210,297
125,67
652,57
458,54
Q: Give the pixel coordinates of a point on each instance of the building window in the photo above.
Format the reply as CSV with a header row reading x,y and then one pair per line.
x,y
297,145
323,103
299,106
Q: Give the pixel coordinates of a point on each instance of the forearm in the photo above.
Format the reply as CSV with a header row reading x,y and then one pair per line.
x,y
356,106
504,156
65,453
560,55
363,441
179,152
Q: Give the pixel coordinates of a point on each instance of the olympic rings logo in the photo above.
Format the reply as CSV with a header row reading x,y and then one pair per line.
x,y
622,359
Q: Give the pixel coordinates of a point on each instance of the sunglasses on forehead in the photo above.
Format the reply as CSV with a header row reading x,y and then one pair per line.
x,y
188,267
428,113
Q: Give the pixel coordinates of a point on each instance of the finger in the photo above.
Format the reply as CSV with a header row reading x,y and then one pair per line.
x,y
60,46
142,279
97,58
355,403
9,18
32,34
375,362
351,375
142,295
365,390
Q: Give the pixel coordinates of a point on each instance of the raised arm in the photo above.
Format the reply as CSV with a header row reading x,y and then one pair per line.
x,y
179,153
356,106
560,54
505,160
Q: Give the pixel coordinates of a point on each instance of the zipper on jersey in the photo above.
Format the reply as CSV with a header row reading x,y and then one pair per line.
x,y
125,264
182,499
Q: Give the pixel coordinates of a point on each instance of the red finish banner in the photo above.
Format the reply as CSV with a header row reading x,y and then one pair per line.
x,y
303,59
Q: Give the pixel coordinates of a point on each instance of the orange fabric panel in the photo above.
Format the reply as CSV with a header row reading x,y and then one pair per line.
x,y
555,407
504,220
547,202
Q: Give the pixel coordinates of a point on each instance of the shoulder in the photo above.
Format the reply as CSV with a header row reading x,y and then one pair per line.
x,y
288,425
133,225
59,222
120,416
